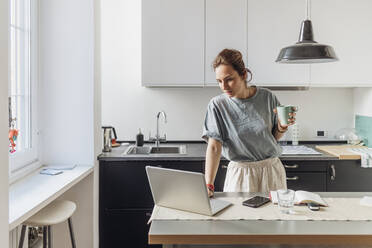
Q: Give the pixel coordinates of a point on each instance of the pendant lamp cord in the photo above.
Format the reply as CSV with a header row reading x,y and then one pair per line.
x,y
308,9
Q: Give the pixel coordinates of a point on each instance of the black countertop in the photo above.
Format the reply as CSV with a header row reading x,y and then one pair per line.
x,y
196,152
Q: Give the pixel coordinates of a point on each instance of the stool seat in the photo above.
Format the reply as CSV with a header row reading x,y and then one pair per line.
x,y
56,212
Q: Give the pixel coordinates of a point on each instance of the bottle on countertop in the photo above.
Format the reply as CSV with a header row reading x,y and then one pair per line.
x,y
295,134
139,138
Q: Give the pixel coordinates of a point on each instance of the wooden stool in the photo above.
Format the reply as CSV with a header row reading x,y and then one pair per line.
x,y
56,212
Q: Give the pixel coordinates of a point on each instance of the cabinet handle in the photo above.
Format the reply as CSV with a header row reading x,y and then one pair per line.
x,y
291,166
224,166
292,178
333,172
148,214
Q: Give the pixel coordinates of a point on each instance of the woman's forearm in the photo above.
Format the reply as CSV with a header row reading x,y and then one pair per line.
x,y
212,160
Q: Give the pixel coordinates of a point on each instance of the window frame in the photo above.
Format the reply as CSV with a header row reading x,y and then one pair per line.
x,y
22,162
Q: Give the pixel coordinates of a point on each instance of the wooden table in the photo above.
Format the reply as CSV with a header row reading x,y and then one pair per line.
x,y
192,232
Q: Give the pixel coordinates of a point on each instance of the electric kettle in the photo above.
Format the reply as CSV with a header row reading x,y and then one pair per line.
x,y
107,138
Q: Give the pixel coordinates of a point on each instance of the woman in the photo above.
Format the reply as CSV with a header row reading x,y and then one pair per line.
x,y
242,124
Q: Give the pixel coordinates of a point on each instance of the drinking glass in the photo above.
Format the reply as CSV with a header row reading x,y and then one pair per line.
x,y
286,200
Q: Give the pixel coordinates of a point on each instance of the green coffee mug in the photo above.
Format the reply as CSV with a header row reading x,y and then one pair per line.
x,y
283,113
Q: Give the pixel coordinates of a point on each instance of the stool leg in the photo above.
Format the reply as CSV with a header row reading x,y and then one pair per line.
x,y
71,233
44,237
49,236
22,239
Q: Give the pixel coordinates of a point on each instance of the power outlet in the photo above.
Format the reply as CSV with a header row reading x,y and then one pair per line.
x,y
321,134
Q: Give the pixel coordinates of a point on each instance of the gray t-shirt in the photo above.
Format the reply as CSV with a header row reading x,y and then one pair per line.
x,y
245,127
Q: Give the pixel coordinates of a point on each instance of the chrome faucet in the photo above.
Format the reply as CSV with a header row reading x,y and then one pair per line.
x,y
157,137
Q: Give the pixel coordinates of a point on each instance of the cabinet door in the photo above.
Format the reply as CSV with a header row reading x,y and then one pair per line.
x,y
348,176
272,25
125,228
172,42
124,185
226,27
346,26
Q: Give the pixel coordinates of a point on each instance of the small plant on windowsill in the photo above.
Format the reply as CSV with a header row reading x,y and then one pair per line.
x,y
13,134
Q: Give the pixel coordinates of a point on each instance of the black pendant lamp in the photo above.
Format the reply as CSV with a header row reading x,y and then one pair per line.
x,y
306,50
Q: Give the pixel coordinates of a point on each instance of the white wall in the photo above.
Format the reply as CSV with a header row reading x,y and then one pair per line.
x,y
363,101
4,183
67,91
128,106
97,117
66,80
328,109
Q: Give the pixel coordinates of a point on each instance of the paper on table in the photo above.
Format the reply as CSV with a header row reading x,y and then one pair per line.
x,y
51,172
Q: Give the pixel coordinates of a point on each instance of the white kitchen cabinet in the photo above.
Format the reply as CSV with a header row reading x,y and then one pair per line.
x,y
172,42
226,27
272,25
347,26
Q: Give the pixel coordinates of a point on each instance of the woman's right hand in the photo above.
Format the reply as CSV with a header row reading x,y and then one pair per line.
x,y
210,189
210,193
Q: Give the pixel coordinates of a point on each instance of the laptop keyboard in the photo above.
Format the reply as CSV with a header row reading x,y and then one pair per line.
x,y
216,204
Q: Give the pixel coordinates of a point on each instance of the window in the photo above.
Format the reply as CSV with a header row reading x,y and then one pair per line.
x,y
23,82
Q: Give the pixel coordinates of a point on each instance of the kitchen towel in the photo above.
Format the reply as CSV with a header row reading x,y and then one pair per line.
x,y
338,209
365,156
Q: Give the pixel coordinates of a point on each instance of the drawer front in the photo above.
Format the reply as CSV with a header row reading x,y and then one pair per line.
x,y
310,166
310,181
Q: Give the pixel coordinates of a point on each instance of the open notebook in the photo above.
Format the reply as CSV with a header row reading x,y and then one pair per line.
x,y
301,197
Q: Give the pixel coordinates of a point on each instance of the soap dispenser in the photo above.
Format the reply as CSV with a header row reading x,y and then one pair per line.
x,y
139,138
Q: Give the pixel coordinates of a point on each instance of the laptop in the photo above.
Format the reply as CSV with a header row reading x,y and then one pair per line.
x,y
182,190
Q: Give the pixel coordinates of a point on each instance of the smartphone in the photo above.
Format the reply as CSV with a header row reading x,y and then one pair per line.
x,y
313,206
256,201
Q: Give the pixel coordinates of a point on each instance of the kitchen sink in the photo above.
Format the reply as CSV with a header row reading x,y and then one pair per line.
x,y
163,149
138,150
147,150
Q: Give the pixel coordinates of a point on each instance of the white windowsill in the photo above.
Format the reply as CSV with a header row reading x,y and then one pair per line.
x,y
33,192
24,171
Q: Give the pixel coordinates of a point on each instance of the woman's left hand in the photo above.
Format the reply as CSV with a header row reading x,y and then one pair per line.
x,y
291,120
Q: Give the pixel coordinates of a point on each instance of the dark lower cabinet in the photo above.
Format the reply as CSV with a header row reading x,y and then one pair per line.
x,y
306,175
301,175
125,201
126,228
124,185
348,176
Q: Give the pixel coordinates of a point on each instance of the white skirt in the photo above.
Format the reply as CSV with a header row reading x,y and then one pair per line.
x,y
258,176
